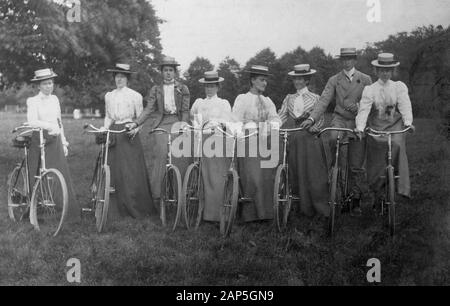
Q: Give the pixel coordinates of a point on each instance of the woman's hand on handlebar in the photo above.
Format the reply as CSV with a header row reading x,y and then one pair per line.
x,y
130,126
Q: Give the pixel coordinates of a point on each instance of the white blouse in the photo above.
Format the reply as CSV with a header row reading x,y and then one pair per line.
x,y
169,98
44,111
211,108
385,98
122,105
255,108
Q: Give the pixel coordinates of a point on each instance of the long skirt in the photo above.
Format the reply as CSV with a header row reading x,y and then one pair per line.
x,y
54,158
377,148
257,180
132,196
158,154
308,172
213,171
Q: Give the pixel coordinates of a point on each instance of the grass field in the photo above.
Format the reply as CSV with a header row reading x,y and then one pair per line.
x,y
143,253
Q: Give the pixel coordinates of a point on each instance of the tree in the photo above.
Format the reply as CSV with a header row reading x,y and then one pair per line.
x,y
229,69
36,34
195,72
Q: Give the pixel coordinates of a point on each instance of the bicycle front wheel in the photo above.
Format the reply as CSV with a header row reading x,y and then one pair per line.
x,y
333,200
230,202
391,200
102,198
49,202
281,198
171,198
18,200
193,208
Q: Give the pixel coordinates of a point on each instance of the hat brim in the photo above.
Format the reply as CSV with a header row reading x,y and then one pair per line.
x,y
338,57
120,71
202,80
293,73
376,64
44,78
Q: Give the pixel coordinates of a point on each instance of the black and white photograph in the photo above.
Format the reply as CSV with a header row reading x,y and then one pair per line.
x,y
224,149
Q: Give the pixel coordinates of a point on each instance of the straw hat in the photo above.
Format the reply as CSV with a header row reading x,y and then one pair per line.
x,y
121,68
301,70
346,52
211,77
258,70
385,60
168,61
43,74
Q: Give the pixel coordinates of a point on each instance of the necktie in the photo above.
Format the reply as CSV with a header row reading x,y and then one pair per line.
x,y
261,109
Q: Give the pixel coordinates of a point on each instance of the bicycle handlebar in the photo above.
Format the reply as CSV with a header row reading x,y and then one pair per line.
x,y
29,129
291,130
97,130
336,129
235,136
375,133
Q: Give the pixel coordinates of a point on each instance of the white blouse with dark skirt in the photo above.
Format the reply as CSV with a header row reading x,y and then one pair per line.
x,y
122,105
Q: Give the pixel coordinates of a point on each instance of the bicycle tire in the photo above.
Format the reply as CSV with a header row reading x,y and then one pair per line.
x,y
230,203
17,194
281,198
333,201
193,206
102,198
43,191
391,199
171,202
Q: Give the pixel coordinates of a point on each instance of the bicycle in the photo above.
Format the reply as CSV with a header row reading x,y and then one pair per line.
x,y
390,177
171,201
101,180
283,197
339,194
232,189
192,186
47,203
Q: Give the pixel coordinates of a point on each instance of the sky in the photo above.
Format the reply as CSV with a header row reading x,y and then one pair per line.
x,y
240,28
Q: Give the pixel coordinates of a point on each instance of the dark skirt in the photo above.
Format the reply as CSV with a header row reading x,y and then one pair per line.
x,y
257,182
213,170
308,172
376,159
132,196
157,156
54,158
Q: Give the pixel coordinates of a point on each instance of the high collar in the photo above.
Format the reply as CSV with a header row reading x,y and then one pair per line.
x,y
122,89
303,90
43,96
212,98
169,83
349,73
384,83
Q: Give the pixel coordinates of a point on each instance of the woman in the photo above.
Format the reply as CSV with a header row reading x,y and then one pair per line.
x,y
307,163
167,108
214,111
132,196
253,109
385,106
44,111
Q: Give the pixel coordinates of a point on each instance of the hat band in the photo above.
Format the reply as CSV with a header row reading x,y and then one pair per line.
x,y
391,62
212,79
302,71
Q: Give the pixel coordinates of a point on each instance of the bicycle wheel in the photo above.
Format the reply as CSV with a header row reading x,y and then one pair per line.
x,y
193,206
281,198
230,202
333,200
49,202
171,197
102,197
18,200
391,200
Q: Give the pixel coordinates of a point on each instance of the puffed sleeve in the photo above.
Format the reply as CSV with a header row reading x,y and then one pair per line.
x,y
319,123
138,105
365,106
283,112
239,108
272,112
194,113
108,120
61,127
404,103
